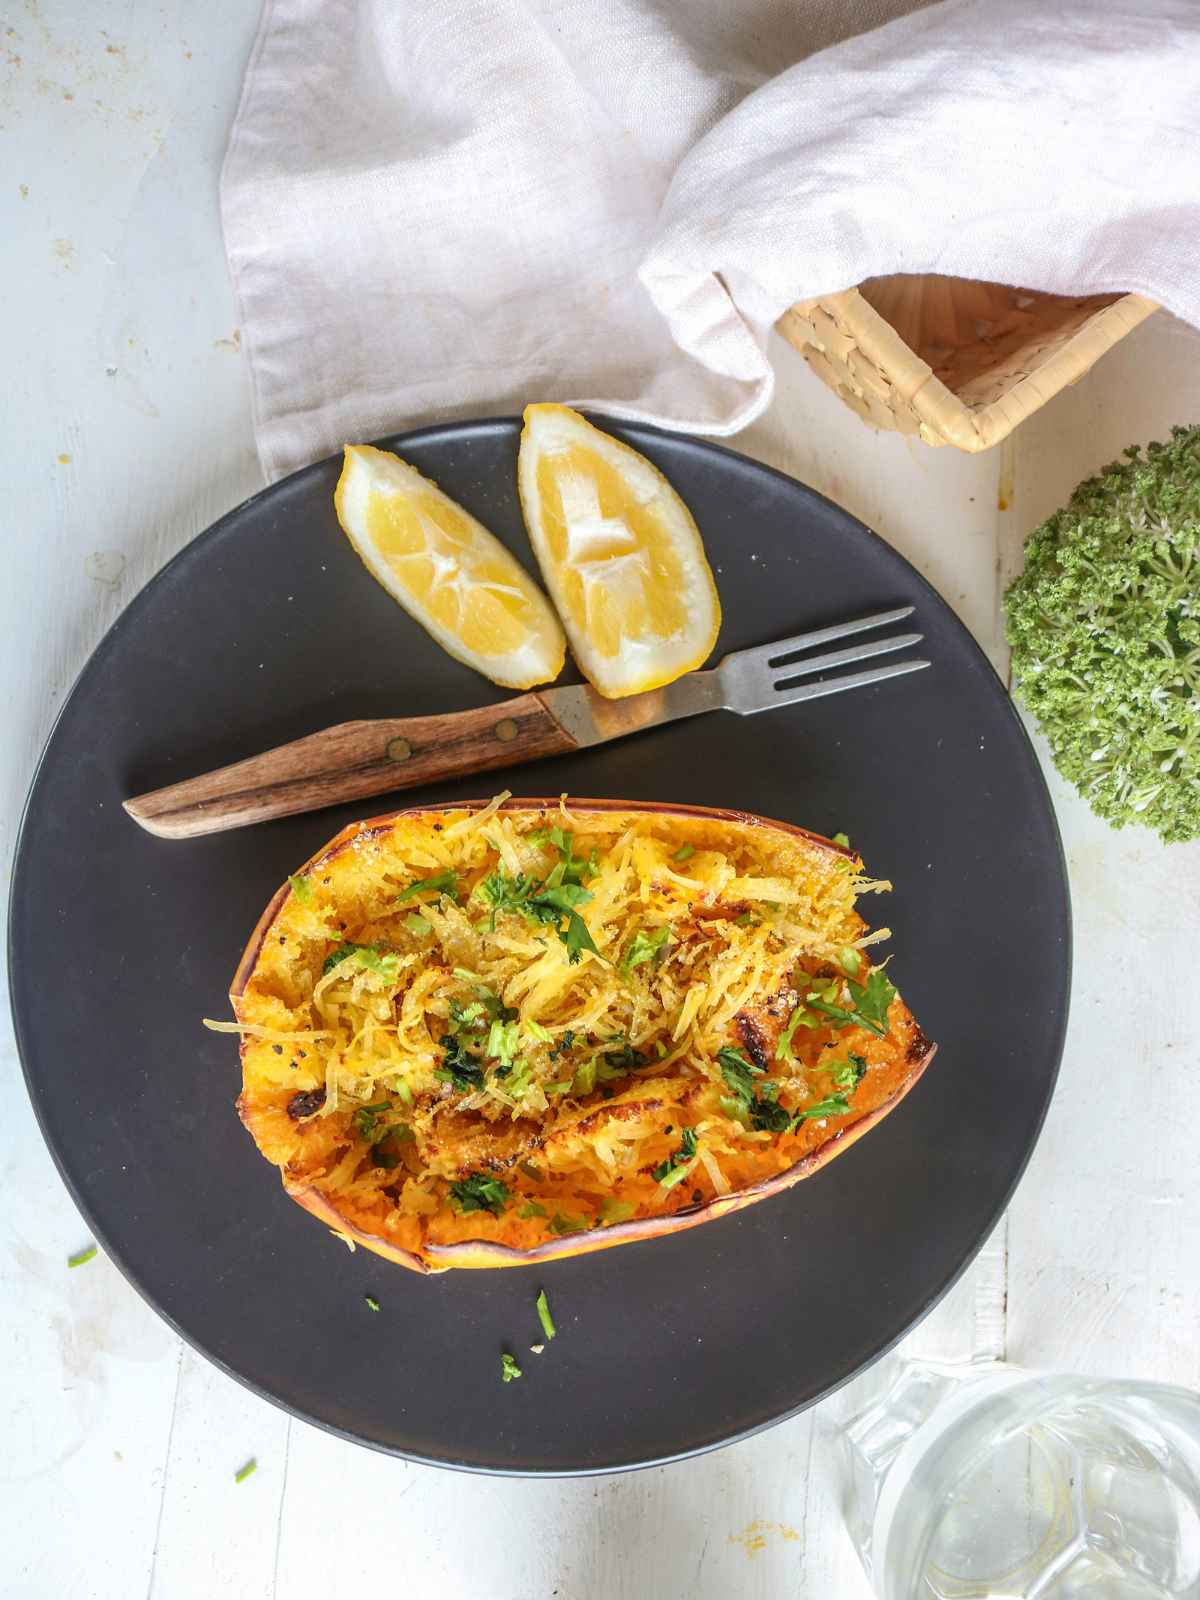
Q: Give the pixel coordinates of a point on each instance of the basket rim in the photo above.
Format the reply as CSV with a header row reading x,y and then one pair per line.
x,y
943,417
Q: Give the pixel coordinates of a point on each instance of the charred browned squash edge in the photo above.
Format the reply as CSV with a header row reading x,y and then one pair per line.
x,y
482,1252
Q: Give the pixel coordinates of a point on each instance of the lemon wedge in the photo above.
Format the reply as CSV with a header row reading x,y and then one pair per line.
x,y
448,572
619,552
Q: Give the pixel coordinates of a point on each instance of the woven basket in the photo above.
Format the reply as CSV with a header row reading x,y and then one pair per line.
x,y
954,360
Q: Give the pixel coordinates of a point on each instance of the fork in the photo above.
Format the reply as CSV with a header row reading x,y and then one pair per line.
x,y
357,759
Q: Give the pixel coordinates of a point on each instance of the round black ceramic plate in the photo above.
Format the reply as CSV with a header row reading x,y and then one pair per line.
x,y
268,627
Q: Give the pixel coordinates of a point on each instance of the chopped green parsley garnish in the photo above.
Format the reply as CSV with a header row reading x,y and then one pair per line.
x,y
531,1209
739,1074
831,1107
544,1317
647,944
849,1074
385,962
243,1473
560,1224
415,923
801,1017
584,1080
480,1193
684,853
768,1115
571,868
615,1211
675,1168
549,902
441,883
755,1104
869,1003
508,1368
372,1303
366,1120
301,887
850,961
622,1058
462,1016
503,1042
505,891
459,1067
518,1079
842,839
536,1031
82,1257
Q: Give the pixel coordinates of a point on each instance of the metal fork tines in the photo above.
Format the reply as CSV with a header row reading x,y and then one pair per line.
x,y
771,675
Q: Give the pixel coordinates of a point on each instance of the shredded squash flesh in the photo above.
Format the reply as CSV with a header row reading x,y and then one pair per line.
x,y
524,1022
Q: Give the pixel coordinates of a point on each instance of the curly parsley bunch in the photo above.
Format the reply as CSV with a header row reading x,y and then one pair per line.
x,y
1104,625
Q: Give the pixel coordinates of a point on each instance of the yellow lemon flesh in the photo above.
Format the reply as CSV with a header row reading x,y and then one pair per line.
x,y
619,552
448,572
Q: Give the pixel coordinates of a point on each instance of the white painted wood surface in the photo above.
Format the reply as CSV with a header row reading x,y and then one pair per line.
x,y
127,430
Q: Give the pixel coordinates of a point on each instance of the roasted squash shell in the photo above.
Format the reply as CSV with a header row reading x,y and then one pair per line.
x,y
448,1073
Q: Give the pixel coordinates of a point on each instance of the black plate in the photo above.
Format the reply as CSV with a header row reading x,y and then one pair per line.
x,y
268,627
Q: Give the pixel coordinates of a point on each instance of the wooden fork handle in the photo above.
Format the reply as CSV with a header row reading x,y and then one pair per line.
x,y
350,762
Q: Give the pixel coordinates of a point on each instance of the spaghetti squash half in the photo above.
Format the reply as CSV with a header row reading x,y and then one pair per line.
x,y
487,1035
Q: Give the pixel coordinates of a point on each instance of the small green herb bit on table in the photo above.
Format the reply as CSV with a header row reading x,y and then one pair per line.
x,y
544,1317
508,1368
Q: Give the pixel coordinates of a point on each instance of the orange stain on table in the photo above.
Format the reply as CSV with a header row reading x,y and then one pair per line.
x,y
756,1535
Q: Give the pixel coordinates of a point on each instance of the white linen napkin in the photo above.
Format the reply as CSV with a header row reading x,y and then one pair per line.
x,y
438,208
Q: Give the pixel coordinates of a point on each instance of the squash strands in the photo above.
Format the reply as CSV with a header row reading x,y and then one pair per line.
x,y
482,1036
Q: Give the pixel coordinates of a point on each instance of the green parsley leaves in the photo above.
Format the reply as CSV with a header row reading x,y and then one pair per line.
x,y
677,1165
801,1017
371,956
559,896
366,1120
849,1074
82,1257
441,883
869,1003
831,1107
750,1103
480,1193
508,1368
459,1067
647,944
301,887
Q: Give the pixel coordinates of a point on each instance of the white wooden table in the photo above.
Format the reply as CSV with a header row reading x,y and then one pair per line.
x,y
127,430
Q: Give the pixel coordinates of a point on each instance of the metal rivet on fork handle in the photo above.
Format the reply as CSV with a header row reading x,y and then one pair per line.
x,y
399,750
